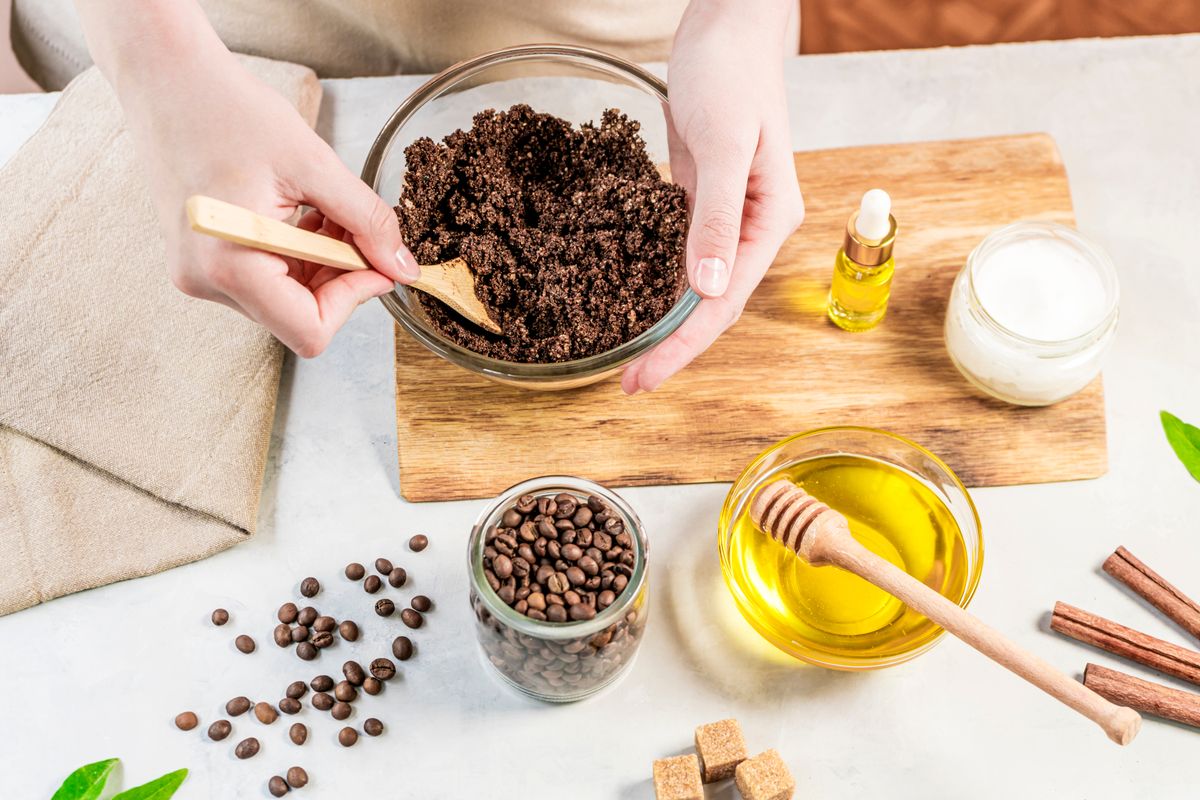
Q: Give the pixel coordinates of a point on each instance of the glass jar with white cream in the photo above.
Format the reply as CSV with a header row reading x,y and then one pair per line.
x,y
1032,313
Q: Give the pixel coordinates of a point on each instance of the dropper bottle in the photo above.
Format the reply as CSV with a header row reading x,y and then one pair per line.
x,y
862,272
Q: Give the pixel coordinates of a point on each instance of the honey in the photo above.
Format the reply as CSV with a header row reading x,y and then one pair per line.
x,y
831,616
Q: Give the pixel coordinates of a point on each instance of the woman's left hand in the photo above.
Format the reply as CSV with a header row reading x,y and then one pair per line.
x,y
731,149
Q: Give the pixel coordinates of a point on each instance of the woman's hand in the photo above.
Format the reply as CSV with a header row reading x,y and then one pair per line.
x,y
731,149
203,125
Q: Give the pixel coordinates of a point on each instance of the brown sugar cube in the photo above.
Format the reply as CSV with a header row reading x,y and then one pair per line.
x,y
721,748
678,778
765,777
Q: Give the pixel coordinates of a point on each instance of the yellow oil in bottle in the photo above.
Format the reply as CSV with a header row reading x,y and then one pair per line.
x,y
858,297
829,613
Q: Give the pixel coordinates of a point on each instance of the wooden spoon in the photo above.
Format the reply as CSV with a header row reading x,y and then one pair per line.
x,y
821,536
452,281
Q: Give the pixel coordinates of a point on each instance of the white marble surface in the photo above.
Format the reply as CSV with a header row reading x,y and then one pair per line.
x,y
102,673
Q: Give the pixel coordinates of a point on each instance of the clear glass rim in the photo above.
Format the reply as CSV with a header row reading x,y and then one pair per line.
x,y
1096,256
555,631
726,520
586,58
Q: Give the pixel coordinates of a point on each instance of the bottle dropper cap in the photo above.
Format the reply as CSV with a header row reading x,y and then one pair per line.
x,y
871,230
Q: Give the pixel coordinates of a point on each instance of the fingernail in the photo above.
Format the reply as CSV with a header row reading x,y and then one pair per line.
x,y
712,277
410,270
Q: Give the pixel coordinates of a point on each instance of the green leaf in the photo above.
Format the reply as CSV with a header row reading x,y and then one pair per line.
x,y
157,789
87,782
1184,440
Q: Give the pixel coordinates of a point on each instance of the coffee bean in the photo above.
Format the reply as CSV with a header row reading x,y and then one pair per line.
x,y
297,778
422,603
349,630
298,634
283,635
322,701
306,651
347,737
219,730
383,669
526,503
575,576
533,613
558,583
354,672
554,599
383,566
606,598
556,613
571,597
340,711
287,613
511,519
355,571
238,706
321,640
307,616
298,733
572,552
265,712
324,623
385,607
537,601
246,748
546,506
619,583
507,593
220,616
373,727
345,692
244,643
411,618
309,587
186,721
581,611
296,690
321,683
372,685
402,648
502,566
397,577
418,543
583,516
289,705
277,786
372,584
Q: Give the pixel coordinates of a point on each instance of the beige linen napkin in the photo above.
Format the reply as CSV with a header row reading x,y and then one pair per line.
x,y
134,421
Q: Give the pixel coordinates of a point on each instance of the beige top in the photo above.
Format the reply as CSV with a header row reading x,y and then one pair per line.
x,y
346,38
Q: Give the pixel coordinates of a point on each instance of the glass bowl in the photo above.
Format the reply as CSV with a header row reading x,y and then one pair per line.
x,y
852,631
575,83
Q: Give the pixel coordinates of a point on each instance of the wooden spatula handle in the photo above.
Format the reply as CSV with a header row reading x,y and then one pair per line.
x,y
835,545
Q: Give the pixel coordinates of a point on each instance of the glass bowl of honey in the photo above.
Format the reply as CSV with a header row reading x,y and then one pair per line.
x,y
902,502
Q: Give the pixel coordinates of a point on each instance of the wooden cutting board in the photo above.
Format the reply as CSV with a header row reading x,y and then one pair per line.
x,y
784,368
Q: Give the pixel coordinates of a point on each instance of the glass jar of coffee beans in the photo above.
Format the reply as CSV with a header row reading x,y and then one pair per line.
x,y
558,586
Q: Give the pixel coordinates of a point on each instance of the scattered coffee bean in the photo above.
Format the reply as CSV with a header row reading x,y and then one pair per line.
x,y
244,643
283,635
347,737
306,651
355,571
238,706
418,543
422,603
299,634
277,786
296,690
246,748
297,778
383,566
340,710
411,618
349,630
324,624
372,685
220,616
186,721
288,613
321,683
397,577
265,712
307,616
219,730
298,733
322,701
383,669
289,705
402,648
373,727
372,584
345,692
385,607
309,587
321,639
354,672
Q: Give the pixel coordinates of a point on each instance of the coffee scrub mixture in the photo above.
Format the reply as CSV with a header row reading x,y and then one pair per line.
x,y
576,241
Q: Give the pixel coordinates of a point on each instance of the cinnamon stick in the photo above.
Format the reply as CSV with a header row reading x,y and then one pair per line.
x,y
1143,696
1178,607
1167,658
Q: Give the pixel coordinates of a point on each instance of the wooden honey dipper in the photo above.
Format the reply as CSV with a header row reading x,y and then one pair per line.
x,y
821,536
